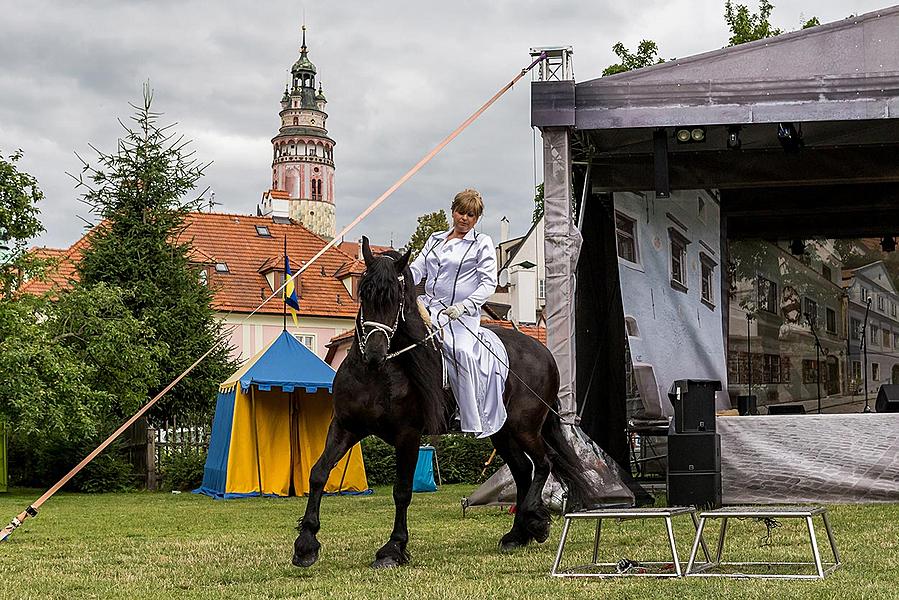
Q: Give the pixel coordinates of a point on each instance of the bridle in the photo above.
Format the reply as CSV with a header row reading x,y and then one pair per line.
x,y
365,329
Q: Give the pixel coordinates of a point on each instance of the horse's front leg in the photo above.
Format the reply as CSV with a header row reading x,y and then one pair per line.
x,y
306,546
393,553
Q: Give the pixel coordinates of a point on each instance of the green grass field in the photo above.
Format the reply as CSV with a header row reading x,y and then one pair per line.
x,y
145,545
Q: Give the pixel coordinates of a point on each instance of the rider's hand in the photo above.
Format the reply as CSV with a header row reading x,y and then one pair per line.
x,y
454,312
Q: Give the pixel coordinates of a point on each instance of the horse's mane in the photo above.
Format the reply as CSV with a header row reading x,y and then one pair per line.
x,y
422,364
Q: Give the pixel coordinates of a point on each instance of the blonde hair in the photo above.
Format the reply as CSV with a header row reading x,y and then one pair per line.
x,y
468,201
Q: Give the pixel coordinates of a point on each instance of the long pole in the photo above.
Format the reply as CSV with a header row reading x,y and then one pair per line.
x,y
31,511
284,294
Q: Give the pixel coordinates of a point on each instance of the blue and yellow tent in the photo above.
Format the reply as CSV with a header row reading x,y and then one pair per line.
x,y
271,421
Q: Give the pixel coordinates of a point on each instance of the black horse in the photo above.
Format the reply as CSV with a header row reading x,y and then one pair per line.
x,y
399,398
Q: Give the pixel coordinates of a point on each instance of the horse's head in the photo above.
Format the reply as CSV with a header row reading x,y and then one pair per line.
x,y
382,299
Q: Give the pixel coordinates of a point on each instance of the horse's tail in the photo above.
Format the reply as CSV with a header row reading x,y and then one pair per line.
x,y
567,467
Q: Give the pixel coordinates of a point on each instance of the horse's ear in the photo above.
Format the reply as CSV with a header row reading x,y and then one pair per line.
x,y
366,252
403,261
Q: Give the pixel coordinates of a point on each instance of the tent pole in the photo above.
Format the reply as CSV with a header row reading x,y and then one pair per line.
x,y
256,437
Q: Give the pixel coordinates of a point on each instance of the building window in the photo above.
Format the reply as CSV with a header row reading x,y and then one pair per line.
x,y
203,277
875,331
855,329
262,231
857,371
767,295
771,368
887,338
221,268
541,288
630,325
810,311
626,234
892,309
307,339
826,273
831,316
881,303
708,280
865,294
875,371
810,371
678,259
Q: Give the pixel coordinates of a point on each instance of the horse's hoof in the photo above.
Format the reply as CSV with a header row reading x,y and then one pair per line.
x,y
305,560
385,562
510,543
305,550
541,533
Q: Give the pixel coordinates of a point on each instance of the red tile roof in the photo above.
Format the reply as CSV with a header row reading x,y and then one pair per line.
x,y
535,331
233,240
354,249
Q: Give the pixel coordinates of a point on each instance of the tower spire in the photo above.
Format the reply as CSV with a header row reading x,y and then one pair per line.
x,y
303,47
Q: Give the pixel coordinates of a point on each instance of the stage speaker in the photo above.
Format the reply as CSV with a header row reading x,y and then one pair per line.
x,y
694,489
786,409
887,398
747,405
694,404
692,452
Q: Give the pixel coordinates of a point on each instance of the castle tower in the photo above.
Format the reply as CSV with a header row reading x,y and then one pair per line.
x,y
303,154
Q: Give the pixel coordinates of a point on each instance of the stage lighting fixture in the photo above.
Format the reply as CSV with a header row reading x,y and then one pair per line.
x,y
733,137
687,135
797,247
888,244
789,137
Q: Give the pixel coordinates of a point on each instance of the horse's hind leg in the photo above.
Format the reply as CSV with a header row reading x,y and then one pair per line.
x,y
393,553
306,546
535,514
521,467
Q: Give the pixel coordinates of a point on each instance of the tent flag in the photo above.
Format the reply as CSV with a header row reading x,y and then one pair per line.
x,y
290,290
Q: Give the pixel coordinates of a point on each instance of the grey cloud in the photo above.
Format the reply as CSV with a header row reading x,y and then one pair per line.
x,y
399,76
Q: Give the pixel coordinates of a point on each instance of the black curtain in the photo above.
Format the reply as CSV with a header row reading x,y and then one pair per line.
x,y
599,332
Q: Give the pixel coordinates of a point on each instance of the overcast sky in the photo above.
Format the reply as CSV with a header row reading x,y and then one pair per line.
x,y
398,75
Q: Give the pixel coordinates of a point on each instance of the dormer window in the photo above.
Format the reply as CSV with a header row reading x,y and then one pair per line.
x,y
262,231
221,268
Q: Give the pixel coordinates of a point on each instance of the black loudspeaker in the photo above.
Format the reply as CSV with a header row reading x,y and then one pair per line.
x,y
786,409
694,489
887,398
694,404
747,405
691,452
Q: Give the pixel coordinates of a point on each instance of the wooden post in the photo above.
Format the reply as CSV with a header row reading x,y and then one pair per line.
x,y
151,459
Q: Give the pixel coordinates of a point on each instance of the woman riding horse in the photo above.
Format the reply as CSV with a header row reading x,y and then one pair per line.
x,y
391,385
460,265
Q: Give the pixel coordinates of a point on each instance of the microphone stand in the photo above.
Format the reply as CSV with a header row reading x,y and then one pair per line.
x,y
867,408
811,324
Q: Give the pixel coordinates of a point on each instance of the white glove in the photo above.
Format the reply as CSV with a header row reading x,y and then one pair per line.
x,y
454,312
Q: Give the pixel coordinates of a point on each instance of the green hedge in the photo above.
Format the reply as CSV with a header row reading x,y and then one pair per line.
x,y
461,458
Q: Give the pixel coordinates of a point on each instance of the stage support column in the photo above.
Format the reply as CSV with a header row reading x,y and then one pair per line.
x,y
562,243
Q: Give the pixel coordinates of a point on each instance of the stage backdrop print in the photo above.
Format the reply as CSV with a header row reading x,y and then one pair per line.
x,y
669,263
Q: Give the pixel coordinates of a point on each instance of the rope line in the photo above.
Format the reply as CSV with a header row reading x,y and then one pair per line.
x,y
31,510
